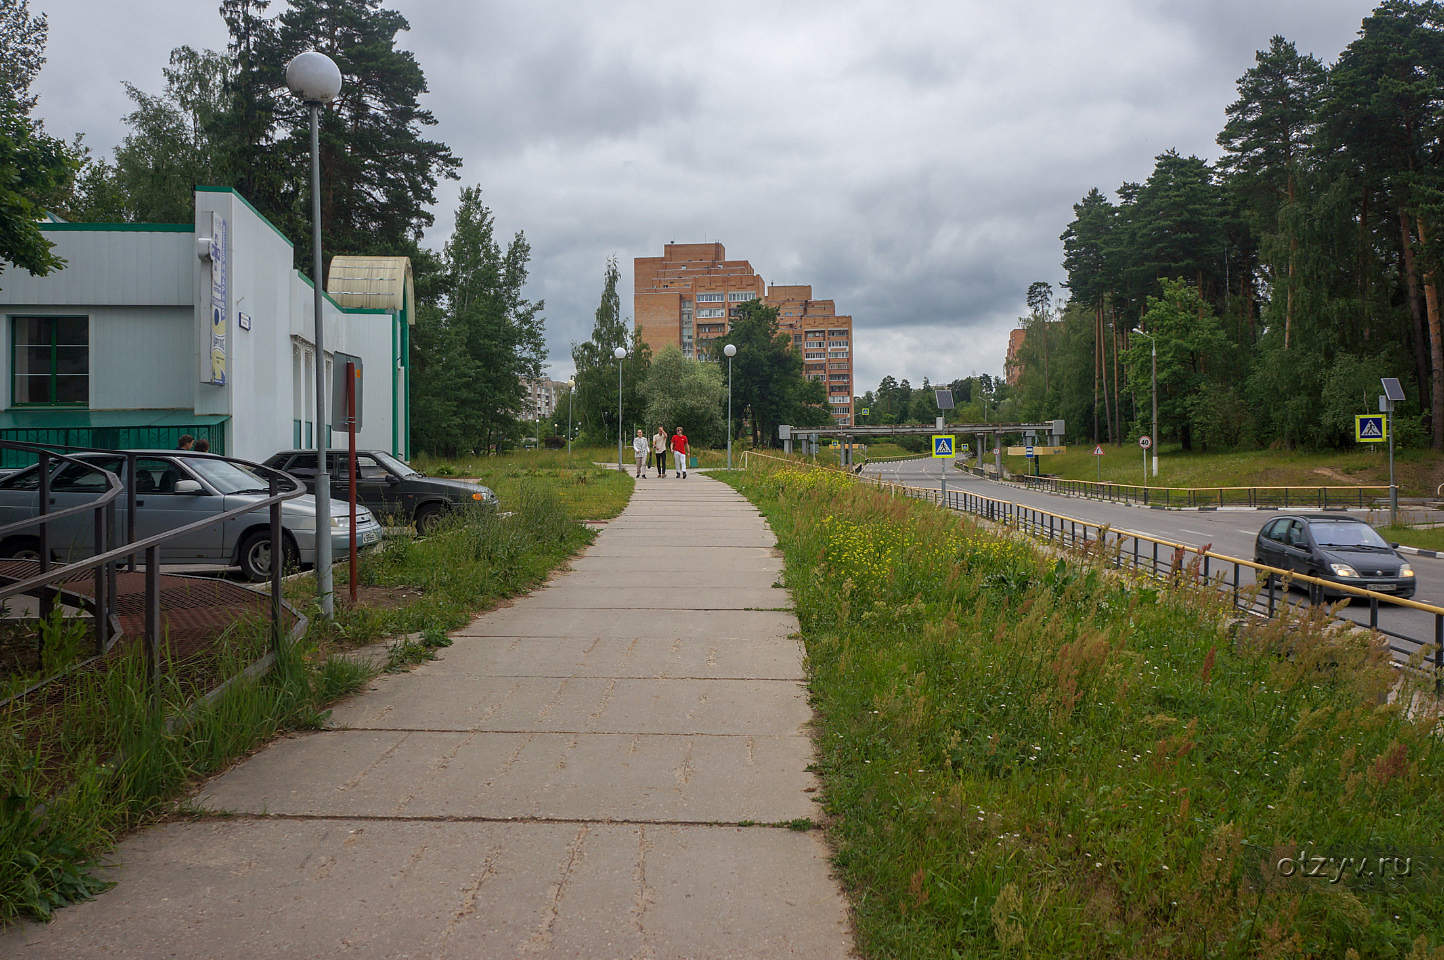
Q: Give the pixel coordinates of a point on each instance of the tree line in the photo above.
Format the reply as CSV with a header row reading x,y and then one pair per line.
x,y
1278,284
227,118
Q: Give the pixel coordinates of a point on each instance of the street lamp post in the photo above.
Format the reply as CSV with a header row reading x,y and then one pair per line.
x,y
571,392
1153,344
316,80
621,354
731,351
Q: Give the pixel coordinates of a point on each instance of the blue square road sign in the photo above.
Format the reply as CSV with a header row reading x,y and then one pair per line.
x,y
1371,428
942,445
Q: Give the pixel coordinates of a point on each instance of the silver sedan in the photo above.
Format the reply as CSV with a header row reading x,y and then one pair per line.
x,y
175,488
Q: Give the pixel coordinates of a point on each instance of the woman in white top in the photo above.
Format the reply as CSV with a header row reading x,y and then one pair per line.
x,y
640,450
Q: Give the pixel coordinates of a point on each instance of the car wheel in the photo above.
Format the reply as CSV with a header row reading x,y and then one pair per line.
x,y
20,548
428,518
255,555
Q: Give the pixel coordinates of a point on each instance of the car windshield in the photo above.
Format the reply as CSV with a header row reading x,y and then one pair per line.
x,y
394,465
225,476
1337,534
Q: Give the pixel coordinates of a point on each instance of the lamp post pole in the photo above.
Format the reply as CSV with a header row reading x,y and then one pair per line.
x,y
315,79
731,351
1153,351
571,392
621,354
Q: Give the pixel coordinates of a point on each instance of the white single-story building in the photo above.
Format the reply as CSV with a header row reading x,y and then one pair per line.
x,y
151,331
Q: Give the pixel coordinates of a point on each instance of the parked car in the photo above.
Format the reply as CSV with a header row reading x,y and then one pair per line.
x,y
388,486
175,488
1334,547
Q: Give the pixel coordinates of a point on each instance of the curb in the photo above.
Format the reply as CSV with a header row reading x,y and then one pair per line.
x,y
1415,551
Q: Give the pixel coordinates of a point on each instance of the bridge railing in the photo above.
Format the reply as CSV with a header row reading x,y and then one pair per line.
x,y
1176,563
1286,497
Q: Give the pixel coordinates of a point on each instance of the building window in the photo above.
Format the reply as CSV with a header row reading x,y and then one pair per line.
x,y
709,298
837,343
815,356
740,296
51,359
705,313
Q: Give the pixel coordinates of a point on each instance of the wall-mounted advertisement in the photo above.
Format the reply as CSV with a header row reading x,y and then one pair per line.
x,y
220,297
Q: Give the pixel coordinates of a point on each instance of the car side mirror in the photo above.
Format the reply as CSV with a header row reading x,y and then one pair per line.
x,y
392,479
192,487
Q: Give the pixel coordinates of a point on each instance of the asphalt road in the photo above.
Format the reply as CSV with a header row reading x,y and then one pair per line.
x,y
1226,531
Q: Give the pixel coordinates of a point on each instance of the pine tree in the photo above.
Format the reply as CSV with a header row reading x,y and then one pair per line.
x,y
1267,137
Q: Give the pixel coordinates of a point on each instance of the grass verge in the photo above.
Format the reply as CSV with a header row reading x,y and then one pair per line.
x,y
1425,538
1027,756
1419,472
110,757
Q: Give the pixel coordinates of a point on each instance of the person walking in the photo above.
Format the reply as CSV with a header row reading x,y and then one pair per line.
x,y
679,452
659,447
639,451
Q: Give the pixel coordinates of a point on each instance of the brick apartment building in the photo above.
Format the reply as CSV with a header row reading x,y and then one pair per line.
x,y
688,297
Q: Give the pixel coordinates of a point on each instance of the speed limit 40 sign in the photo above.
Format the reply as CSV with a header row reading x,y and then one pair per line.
x,y
1145,441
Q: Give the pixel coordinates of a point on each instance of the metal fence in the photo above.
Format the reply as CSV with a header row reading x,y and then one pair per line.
x,y
48,580
1269,594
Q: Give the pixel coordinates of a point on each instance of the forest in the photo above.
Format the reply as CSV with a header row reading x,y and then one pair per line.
x,y
1277,285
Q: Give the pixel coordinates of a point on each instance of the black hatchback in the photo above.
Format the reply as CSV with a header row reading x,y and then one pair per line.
x,y
1334,547
391,489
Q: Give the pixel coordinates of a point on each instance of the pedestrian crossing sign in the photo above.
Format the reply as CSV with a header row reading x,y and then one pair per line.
x,y
1371,428
942,445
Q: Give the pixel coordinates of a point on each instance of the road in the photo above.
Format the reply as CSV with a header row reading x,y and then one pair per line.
x,y
1229,532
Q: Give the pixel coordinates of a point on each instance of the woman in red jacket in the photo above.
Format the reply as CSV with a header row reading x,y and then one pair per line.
x,y
679,452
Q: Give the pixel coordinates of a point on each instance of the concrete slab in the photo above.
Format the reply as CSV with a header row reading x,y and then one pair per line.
x,y
500,776
567,595
533,621
419,701
628,574
242,889
613,657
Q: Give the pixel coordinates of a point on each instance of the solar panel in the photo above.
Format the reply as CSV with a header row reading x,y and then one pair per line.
x,y
1392,390
945,399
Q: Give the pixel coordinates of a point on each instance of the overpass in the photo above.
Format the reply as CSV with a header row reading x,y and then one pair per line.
x,y
1030,431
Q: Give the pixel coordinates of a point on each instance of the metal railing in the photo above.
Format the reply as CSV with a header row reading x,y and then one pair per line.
x,y
1320,497
102,564
1169,561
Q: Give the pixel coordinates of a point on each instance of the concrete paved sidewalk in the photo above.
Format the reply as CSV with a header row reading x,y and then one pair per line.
x,y
566,780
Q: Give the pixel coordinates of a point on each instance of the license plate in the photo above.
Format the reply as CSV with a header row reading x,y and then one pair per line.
x,y
370,536
1383,587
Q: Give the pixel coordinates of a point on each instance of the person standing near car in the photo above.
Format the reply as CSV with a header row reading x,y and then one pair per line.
x,y
640,449
659,447
679,452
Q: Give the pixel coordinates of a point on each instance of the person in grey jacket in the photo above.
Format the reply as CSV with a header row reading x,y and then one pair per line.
x,y
641,448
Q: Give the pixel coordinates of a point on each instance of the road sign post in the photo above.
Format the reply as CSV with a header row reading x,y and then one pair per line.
x,y
1393,394
1098,460
1145,442
943,449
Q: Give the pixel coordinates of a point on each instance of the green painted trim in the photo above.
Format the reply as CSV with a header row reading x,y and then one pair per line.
x,y
376,310
119,227
249,206
406,368
395,395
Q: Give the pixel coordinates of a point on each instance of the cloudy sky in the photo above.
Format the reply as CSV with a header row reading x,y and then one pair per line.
x,y
913,161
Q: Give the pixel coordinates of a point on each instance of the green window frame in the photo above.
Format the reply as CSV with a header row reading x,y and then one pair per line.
x,y
50,361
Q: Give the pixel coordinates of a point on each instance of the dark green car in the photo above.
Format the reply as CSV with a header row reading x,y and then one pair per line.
x,y
389,488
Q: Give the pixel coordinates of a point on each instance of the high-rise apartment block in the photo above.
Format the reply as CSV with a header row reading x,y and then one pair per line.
x,y
689,296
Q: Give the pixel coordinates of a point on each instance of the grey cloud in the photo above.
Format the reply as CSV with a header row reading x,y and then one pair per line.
x,y
915,163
